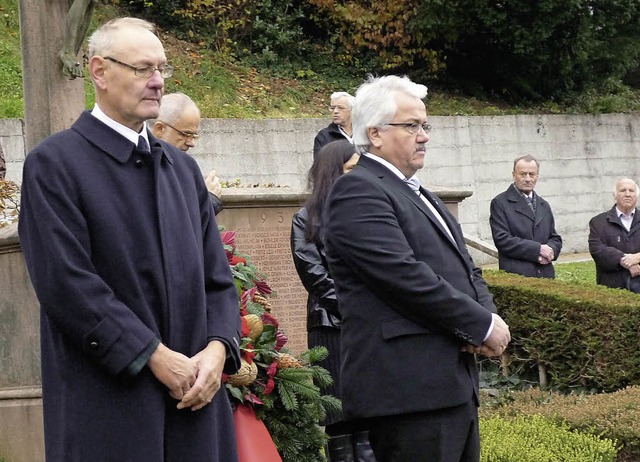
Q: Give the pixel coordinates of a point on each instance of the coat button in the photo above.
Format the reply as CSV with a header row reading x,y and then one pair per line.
x,y
139,163
94,345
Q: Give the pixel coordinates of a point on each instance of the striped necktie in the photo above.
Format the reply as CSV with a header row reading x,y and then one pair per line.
x,y
531,203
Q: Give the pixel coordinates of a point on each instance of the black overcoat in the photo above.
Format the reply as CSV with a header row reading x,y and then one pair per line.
x,y
410,298
518,234
123,247
608,242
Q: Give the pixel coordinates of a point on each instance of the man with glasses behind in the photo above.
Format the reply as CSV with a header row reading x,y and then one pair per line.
x,y
414,307
139,311
179,124
340,127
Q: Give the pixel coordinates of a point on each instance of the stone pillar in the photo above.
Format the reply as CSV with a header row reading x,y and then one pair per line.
x,y
51,101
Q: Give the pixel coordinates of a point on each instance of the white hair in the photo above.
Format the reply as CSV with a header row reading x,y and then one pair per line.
x,y
102,39
375,105
343,94
620,180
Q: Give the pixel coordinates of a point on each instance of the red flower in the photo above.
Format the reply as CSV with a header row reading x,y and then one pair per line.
x,y
229,241
246,330
268,389
272,369
271,372
247,296
228,238
269,320
236,259
263,287
248,354
281,339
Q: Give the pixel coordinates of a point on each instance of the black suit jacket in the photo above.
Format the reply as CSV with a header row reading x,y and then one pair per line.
x,y
410,298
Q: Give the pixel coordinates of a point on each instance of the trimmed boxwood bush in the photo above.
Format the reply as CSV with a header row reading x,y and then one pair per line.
x,y
537,439
585,336
613,415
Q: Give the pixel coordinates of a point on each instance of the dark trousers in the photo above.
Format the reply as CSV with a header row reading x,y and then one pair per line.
x,y
443,435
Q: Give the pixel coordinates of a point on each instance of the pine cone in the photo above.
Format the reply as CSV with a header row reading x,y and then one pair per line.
x,y
255,326
262,301
286,361
245,375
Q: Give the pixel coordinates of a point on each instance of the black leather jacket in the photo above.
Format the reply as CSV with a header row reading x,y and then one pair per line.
x,y
217,203
311,264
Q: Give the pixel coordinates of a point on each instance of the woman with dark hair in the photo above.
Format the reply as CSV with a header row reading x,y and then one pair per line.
x,y
346,444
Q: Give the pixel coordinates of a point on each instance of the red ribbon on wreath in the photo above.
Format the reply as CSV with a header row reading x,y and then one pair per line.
x,y
253,438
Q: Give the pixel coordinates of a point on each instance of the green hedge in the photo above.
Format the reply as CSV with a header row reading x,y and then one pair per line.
x,y
585,336
615,416
537,439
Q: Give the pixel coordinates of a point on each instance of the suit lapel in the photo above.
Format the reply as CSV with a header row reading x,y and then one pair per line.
x,y
446,216
385,175
521,205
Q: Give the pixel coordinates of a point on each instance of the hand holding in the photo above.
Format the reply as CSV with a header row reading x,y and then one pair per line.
x,y
210,363
546,252
629,259
173,369
634,270
213,183
498,340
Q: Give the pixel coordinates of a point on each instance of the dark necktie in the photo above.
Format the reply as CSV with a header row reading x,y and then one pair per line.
x,y
142,144
531,203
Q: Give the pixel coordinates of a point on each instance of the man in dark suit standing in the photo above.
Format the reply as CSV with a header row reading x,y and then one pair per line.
x,y
139,310
414,306
522,225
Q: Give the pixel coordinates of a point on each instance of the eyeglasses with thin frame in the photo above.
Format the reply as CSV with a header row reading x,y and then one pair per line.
x,y
185,135
413,127
339,108
145,72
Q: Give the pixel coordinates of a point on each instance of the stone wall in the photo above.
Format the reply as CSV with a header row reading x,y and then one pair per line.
x,y
581,156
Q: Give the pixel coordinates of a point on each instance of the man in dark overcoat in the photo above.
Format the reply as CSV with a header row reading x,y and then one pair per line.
x,y
139,311
614,240
523,226
414,306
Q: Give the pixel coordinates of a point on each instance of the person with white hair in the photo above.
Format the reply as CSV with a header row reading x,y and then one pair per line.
x,y
179,124
614,239
414,306
340,126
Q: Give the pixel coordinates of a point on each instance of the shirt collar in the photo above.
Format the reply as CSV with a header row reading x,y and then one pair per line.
x,y
620,213
387,164
523,193
129,134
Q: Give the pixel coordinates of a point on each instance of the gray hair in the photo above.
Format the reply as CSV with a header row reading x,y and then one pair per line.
x,y
343,94
173,105
375,105
526,158
101,40
618,181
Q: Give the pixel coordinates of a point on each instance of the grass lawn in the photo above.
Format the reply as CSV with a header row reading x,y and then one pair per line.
x,y
578,272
